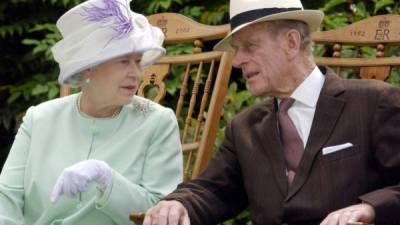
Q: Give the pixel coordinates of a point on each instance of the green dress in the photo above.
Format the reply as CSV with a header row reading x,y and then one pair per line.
x,y
141,144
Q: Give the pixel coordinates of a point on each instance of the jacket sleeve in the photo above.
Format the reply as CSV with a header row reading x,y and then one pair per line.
x,y
386,144
161,173
12,175
218,193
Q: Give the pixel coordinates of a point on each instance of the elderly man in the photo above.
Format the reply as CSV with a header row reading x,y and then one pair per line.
x,y
323,150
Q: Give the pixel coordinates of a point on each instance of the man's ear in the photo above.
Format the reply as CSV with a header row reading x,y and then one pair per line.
x,y
293,42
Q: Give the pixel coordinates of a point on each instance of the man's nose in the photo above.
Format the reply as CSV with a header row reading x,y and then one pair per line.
x,y
238,59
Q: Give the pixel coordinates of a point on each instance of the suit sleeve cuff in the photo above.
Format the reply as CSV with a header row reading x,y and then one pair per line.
x,y
386,203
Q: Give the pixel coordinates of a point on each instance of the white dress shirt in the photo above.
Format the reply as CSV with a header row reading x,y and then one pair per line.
x,y
303,109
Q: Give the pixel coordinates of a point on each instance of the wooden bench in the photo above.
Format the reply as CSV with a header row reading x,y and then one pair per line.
x,y
364,48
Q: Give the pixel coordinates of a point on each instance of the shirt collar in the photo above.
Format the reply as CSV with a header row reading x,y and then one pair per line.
x,y
308,91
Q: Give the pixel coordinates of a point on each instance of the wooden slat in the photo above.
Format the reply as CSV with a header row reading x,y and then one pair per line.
x,y
180,29
359,223
195,58
183,91
373,30
215,111
64,91
357,62
190,146
137,217
204,101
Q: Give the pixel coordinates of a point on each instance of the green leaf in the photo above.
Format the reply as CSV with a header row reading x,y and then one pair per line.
x,y
381,4
30,42
39,48
14,96
179,49
178,1
394,77
332,4
196,11
335,20
53,92
360,10
40,89
165,4
368,52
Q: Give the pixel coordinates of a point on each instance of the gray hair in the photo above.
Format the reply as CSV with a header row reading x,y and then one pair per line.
x,y
277,26
75,80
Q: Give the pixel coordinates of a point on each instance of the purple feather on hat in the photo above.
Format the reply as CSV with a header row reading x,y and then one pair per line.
x,y
121,23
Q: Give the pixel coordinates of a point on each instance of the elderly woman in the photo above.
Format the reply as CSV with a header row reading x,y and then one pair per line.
x,y
94,156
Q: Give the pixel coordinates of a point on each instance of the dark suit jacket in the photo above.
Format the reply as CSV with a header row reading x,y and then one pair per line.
x,y
249,170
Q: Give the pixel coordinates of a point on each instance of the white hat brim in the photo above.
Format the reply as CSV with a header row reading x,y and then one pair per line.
x,y
312,17
150,55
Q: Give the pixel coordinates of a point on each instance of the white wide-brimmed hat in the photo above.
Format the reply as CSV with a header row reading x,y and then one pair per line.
x,y
98,30
246,12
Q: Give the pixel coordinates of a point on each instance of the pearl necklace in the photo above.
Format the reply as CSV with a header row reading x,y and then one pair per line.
x,y
78,104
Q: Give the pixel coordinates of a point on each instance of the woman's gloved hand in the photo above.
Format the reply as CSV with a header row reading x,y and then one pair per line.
x,y
74,179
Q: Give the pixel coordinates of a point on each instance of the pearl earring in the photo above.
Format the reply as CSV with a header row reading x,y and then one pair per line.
x,y
87,81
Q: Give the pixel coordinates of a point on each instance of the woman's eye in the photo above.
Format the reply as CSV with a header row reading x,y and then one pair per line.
x,y
124,61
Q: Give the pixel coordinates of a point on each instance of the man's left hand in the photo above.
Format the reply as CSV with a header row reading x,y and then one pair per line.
x,y
356,213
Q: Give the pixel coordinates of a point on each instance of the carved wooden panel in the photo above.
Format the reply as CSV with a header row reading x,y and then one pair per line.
x,y
154,77
379,73
379,33
180,29
373,30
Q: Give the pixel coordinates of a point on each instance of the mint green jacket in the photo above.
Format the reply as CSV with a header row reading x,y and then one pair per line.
x,y
141,144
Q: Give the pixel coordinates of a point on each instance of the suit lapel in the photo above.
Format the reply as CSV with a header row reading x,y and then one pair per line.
x,y
328,110
268,135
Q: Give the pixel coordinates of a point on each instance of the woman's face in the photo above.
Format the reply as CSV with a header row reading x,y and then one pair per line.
x,y
114,82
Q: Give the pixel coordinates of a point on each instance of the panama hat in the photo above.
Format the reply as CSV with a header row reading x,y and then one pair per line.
x,y
246,12
98,30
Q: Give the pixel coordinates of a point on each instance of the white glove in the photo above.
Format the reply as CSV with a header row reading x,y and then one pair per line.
x,y
74,179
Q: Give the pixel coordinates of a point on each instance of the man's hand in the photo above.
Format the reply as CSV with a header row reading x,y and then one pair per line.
x,y
167,213
355,213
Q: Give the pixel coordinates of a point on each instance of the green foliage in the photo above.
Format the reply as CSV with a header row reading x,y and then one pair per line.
x,y
42,47
39,86
64,3
381,4
332,4
160,5
339,13
18,28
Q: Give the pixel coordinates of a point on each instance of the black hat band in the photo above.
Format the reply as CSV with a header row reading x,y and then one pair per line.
x,y
255,14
